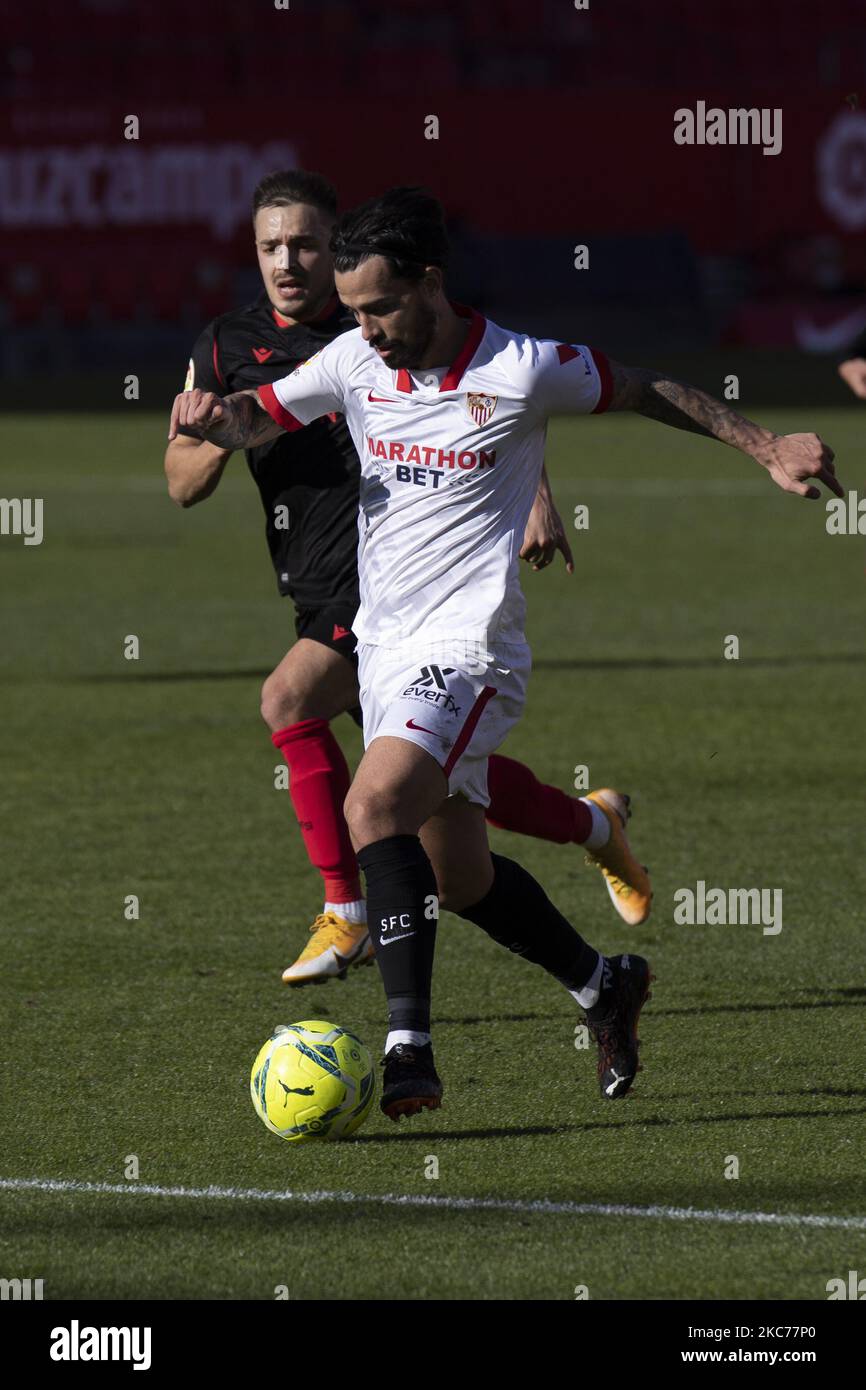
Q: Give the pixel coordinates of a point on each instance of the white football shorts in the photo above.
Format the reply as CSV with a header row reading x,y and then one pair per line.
x,y
456,699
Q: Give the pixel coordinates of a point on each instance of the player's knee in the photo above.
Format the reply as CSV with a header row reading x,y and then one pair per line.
x,y
362,810
280,706
372,813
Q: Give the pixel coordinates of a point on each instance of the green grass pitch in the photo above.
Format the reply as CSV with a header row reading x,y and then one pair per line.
x,y
155,777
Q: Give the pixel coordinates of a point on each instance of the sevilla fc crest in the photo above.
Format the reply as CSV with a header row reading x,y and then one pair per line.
x,y
480,407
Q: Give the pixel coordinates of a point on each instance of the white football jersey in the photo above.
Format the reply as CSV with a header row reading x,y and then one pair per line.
x,y
450,464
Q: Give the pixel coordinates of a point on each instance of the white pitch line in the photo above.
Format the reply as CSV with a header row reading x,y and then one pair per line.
x,y
393,1199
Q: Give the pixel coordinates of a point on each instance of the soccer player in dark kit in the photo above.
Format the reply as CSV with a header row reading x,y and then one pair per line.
x,y
309,484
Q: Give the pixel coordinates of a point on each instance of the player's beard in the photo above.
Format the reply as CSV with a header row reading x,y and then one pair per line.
x,y
410,352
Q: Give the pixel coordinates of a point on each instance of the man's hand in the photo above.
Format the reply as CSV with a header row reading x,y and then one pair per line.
x,y
853,373
792,459
231,422
195,410
545,532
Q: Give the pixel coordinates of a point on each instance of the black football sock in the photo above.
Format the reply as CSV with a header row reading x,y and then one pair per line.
x,y
402,909
520,916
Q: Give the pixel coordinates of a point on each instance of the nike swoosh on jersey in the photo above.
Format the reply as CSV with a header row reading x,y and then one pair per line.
x,y
389,941
419,728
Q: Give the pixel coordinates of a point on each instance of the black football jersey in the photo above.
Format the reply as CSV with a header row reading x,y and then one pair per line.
x,y
308,479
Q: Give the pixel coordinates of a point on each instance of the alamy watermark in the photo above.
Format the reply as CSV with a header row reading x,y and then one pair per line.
x,y
77,1343
846,516
703,906
737,126
854,1287
22,1290
22,516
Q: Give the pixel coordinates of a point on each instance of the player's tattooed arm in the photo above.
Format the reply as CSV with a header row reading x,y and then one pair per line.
x,y
231,422
792,460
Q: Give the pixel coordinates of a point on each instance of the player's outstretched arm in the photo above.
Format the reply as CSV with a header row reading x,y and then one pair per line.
x,y
545,532
792,460
231,422
193,468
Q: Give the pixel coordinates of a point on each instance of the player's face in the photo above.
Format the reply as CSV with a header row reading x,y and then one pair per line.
x,y
293,254
396,317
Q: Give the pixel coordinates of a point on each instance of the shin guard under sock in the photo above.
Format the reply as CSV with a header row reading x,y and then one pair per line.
x,y
402,910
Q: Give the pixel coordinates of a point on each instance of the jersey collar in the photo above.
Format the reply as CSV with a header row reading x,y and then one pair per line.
x,y
451,379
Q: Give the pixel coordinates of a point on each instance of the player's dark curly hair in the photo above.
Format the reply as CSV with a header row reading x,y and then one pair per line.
x,y
286,186
405,225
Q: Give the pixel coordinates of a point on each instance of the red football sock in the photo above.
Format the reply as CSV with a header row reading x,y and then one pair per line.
x,y
519,802
318,783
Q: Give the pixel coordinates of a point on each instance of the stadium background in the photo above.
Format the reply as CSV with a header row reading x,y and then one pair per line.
x,y
556,128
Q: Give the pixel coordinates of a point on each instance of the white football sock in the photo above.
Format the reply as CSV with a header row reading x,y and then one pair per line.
x,y
600,832
406,1035
587,995
355,912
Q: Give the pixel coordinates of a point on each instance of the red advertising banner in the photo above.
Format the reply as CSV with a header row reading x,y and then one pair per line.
x,y
516,164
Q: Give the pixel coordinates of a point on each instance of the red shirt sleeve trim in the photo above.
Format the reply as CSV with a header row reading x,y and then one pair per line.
x,y
603,368
268,397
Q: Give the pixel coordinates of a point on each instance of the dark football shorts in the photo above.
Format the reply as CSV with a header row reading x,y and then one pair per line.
x,y
332,626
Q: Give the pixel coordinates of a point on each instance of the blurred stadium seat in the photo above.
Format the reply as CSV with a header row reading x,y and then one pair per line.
x,y
70,289
196,63
23,293
339,46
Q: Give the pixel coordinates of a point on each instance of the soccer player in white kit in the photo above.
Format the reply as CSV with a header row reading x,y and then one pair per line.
x,y
448,413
